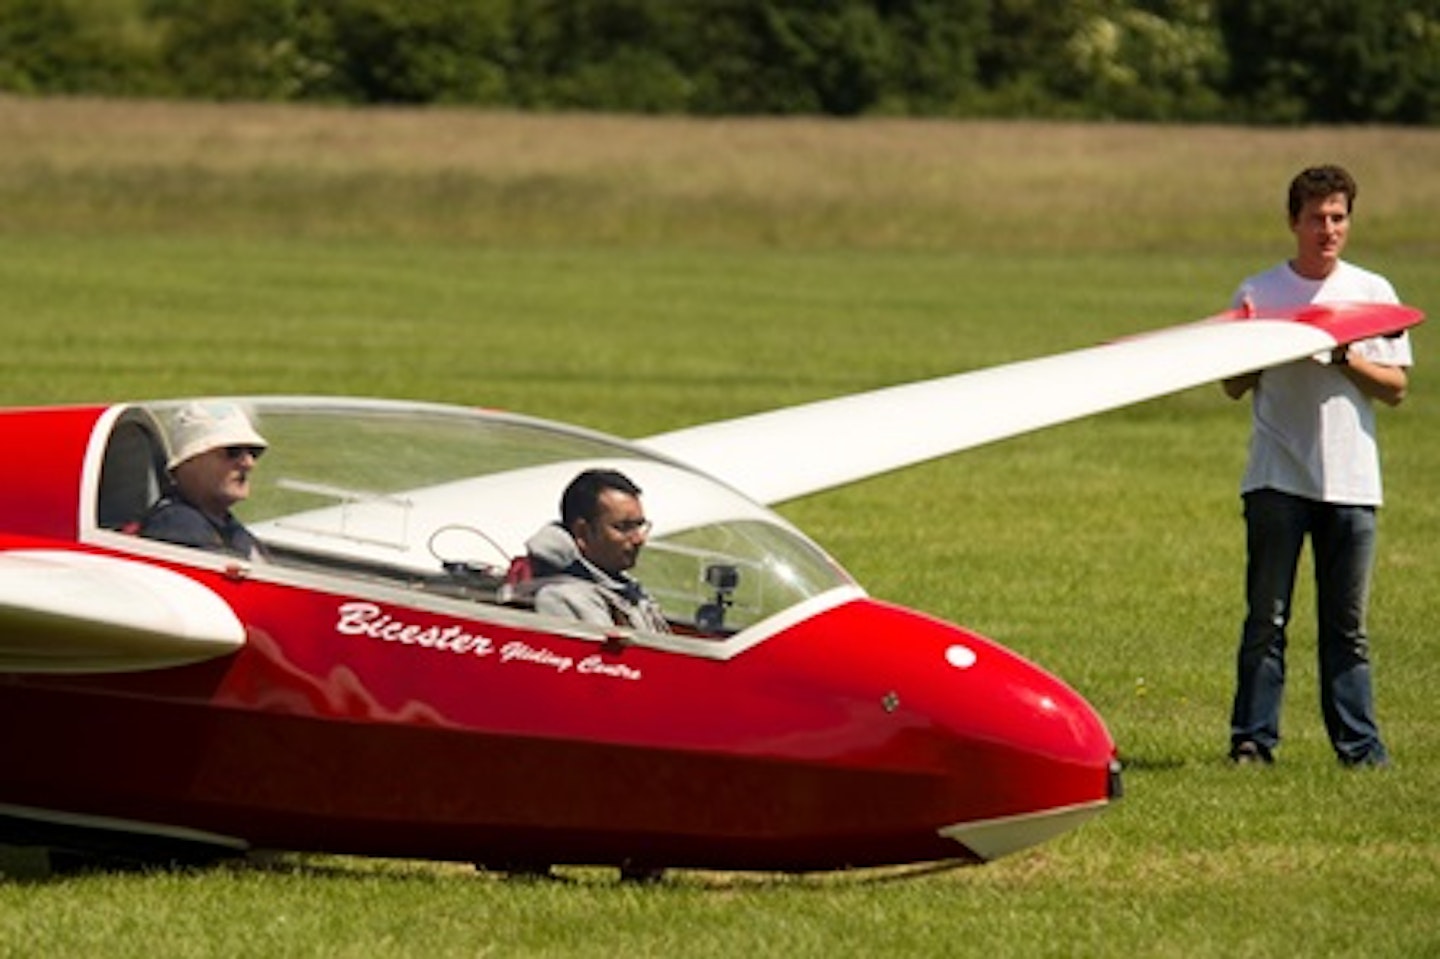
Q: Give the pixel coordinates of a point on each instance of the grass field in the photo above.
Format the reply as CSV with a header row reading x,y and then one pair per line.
x,y
637,275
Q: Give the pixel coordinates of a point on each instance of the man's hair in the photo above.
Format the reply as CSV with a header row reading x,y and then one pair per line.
x,y
1318,182
581,499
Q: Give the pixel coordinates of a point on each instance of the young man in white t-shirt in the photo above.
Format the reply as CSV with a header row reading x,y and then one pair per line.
x,y
1314,469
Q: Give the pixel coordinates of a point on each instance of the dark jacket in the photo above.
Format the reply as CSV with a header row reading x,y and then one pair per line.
x,y
175,520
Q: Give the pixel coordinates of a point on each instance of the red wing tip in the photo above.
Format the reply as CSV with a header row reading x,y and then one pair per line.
x,y
1383,317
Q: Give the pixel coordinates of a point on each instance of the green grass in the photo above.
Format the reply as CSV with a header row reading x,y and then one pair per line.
x,y
1108,550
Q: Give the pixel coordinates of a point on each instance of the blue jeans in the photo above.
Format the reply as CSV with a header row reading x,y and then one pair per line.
x,y
1342,539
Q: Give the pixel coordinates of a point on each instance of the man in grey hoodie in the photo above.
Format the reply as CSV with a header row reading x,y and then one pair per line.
x,y
581,562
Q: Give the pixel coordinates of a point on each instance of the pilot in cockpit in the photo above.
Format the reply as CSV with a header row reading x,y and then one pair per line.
x,y
214,449
582,561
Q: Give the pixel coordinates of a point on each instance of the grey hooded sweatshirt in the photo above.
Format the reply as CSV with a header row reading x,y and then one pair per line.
x,y
571,587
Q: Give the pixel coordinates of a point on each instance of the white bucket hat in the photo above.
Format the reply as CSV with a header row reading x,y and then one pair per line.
x,y
209,424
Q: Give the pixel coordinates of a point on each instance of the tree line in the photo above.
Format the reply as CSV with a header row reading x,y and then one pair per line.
x,y
1250,61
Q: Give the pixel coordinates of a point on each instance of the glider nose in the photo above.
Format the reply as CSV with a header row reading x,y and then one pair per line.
x,y
1041,752
981,752
1017,756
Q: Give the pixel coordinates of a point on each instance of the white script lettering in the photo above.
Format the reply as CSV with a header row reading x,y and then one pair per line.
x,y
594,665
366,619
369,620
530,654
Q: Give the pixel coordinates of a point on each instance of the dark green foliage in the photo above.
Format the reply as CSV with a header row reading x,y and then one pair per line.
x,y
934,54
361,51
410,51
1334,60
1150,60
1264,61
49,46
233,49
838,57
789,56
600,54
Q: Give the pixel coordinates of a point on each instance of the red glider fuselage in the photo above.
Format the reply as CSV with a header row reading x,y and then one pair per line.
x,y
358,717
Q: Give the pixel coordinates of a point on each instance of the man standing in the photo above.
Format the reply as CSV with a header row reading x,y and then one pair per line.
x,y
1314,469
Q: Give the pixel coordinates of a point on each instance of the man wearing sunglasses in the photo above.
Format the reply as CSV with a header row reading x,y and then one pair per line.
x,y
214,449
587,555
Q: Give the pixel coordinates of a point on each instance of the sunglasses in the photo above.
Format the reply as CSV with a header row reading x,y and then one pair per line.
x,y
236,452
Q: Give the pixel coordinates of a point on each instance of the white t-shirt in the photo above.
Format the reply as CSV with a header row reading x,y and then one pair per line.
x,y
1314,430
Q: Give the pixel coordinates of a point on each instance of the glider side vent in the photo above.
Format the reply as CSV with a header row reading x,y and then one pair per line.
x,y
133,470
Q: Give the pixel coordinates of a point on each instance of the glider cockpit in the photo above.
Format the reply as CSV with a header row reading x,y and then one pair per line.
x,y
441,501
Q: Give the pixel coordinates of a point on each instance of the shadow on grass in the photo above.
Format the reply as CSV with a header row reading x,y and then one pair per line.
x,y
590,876
36,865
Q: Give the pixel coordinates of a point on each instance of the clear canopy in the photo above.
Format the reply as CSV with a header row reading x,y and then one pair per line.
x,y
441,496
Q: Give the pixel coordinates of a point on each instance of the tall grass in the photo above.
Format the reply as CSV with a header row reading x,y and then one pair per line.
x,y
639,275
521,180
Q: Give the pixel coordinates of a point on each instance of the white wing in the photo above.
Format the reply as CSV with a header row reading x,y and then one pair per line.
x,y
799,450
68,612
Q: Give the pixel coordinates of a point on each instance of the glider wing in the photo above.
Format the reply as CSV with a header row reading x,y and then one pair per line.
x,y
799,450
67,612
